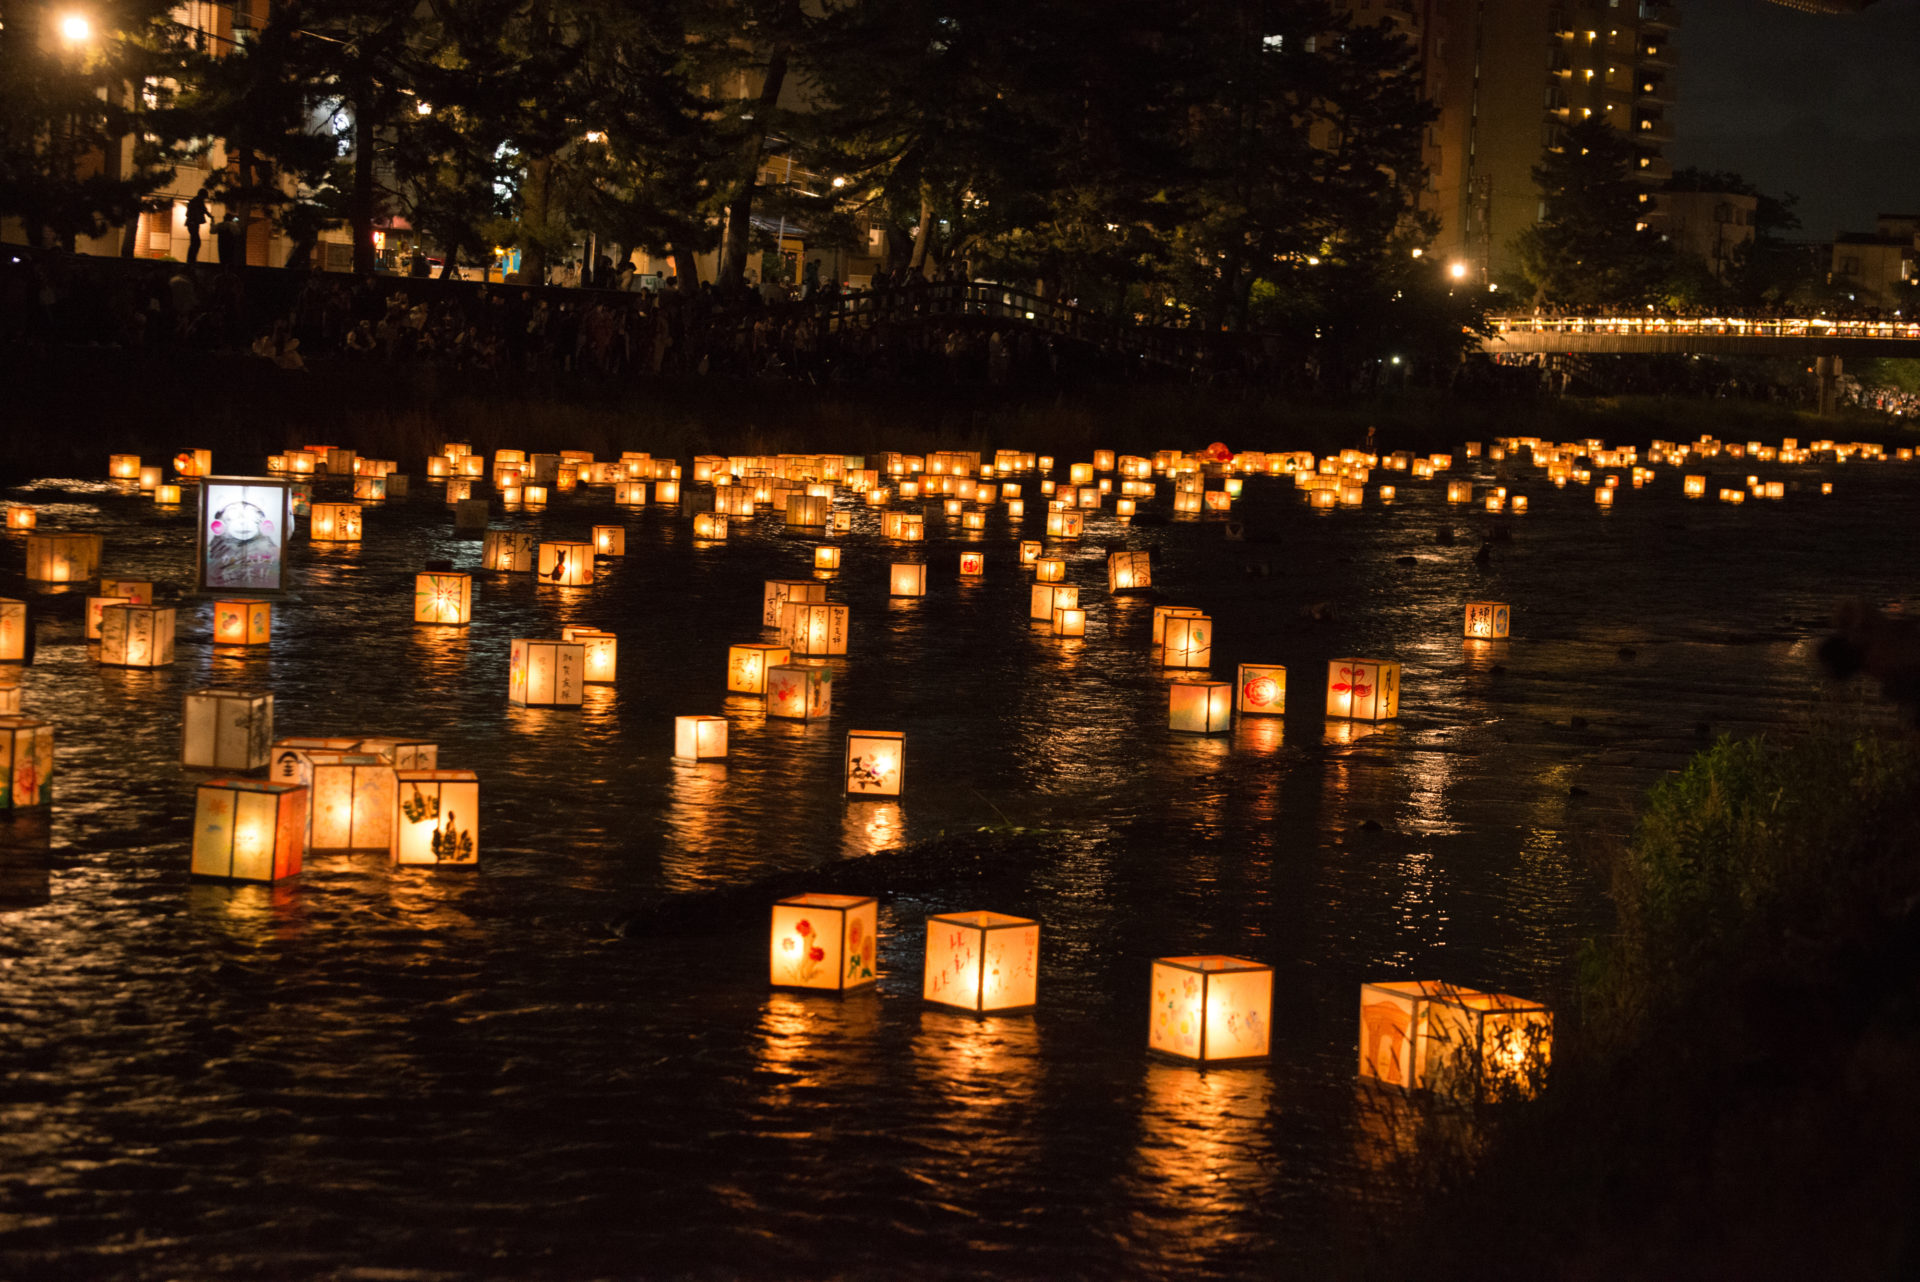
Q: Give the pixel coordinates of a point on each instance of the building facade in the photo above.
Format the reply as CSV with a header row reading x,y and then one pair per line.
x,y
1870,265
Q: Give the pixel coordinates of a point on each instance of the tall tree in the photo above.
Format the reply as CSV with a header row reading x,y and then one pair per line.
x,y
1588,249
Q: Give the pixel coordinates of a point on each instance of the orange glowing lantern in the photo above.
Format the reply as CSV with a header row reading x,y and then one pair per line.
x,y
242,622
1064,523
1069,621
443,596
352,801
1030,552
1212,1010
610,540
972,564
370,487
1129,571
546,674
1200,707
630,493
1261,689
748,664
21,517
335,523
13,630
248,830
876,763
710,525
908,579
1188,643
136,636
166,493
428,828
153,476
699,738
227,730
1161,613
26,763
1363,689
1488,620
1517,504
123,467
800,691
826,557
986,963
1694,487
1048,597
1420,1035
1050,569
1603,495
510,550
827,942
95,604
814,627
63,558
1459,491
602,651
566,564
777,592
666,491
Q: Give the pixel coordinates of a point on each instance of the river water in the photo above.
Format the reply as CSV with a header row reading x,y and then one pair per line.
x,y
567,1062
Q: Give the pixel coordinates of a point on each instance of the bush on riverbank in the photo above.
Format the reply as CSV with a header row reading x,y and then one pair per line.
x,y
1737,1100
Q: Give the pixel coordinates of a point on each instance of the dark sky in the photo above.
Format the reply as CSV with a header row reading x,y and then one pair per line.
x,y
1827,108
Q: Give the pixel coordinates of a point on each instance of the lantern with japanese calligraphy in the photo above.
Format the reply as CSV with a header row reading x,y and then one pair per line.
x,y
248,830
1129,571
610,540
814,627
1363,689
546,674
748,664
602,652
1048,597
436,817
136,636
824,942
710,525
335,523
63,558
1200,707
1261,689
352,801
986,963
1210,1010
242,622
1488,620
443,596
699,738
777,592
510,550
800,691
876,763
226,730
565,563
402,754
1187,641
1421,1035
26,763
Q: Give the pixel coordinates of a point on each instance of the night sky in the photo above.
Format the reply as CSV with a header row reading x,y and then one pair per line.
x,y
1827,108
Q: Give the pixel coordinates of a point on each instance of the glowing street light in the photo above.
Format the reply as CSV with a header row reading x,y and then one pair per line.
x,y
75,28
1457,270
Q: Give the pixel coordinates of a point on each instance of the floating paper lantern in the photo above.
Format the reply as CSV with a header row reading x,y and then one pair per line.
x,y
370,487
335,523
123,467
21,517
1488,619
1048,597
352,801
699,738
567,564
1386,494
825,942
666,492
800,691
136,636
151,477
1030,552
908,579
1050,569
136,591
546,674
439,466
443,596
510,550
26,763
1733,496
166,493
248,830
814,627
63,558
710,525
1016,509
1694,487
292,759
972,564
1188,641
1124,508
1188,502
630,493
1200,707
1603,495
1261,688
1517,504
1064,523
436,817
1161,613
1826,487
402,754
982,962
531,495
610,540
602,652
1459,491
777,592
1210,1010
1069,621
1420,1035
826,557
876,763
227,730
1129,571
242,622
804,511
1363,689
748,664
96,604
341,462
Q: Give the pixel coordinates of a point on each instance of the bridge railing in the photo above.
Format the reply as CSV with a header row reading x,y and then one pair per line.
x,y
1818,327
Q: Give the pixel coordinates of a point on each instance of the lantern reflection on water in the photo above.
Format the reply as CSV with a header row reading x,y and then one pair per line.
x,y
824,942
699,738
876,763
748,664
1210,1010
985,963
226,730
248,830
436,817
1363,689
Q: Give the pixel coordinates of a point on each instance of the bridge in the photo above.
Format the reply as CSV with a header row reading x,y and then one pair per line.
x,y
1803,337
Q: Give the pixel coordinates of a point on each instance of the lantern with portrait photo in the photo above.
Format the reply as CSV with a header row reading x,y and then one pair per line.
x,y
1200,707
436,817
248,830
1488,620
1210,1010
443,596
876,763
985,963
826,942
748,664
26,762
699,738
242,523
546,674
800,691
136,636
227,730
1363,689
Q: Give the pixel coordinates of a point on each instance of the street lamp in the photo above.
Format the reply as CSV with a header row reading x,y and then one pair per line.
x,y
75,28
1457,269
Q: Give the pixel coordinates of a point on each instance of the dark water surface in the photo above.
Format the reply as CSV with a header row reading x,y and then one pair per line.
x,y
531,1069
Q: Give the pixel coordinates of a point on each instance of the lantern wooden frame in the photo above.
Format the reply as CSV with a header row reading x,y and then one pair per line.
x,y
1363,689
777,592
1069,621
335,523
972,564
352,801
1045,598
800,691
1187,642
228,730
26,762
242,622
248,830
63,558
1488,620
1423,1035
981,962
876,764
1129,571
609,540
824,943
602,652
565,563
422,800
136,636
814,628
514,551
443,597
749,663
1200,707
699,738
1260,689
546,674
1211,1011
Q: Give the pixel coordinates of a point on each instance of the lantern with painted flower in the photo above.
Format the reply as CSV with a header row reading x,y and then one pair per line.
x,y
602,652
26,763
972,564
352,801
1210,1010
242,622
136,636
546,674
226,730
1363,689
1200,707
800,691
826,942
436,817
814,627
1129,571
63,558
1488,620
565,563
1188,641
248,830
443,596
699,738
748,664
335,523
1422,1035
876,763
985,963
1261,689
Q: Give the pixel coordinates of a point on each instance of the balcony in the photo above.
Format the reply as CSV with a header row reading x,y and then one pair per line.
x,y
1654,91
1658,13
1653,53
1647,129
1653,169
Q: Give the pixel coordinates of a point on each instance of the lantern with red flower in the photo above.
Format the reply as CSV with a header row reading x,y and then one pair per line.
x,y
1261,689
827,942
1363,689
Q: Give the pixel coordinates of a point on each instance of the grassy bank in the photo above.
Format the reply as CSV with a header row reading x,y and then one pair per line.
x,y
67,409
1735,1098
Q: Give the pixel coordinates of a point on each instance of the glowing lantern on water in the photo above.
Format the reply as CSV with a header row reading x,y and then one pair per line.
x,y
799,691
1518,504
166,493
710,525
1129,571
814,627
1488,619
439,466
1050,569
136,591
123,467
370,487
666,492
824,942
1421,1035
1016,509
1495,501
510,550
805,511
1030,552
335,523
1188,642
136,636
26,763
151,477
428,824
1069,621
402,754
1080,473
747,666
1064,523
1048,597
443,596
1603,495
1161,613
1363,689
227,730
248,830
1386,494
1124,508
21,517
1733,496
1826,487
1200,707
546,674
973,564
908,579
699,738
339,462
1694,487
567,564
242,622
630,493
352,801
1261,688
1459,491
982,962
876,763
1210,1010
96,604
63,558
602,652
973,521
777,592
